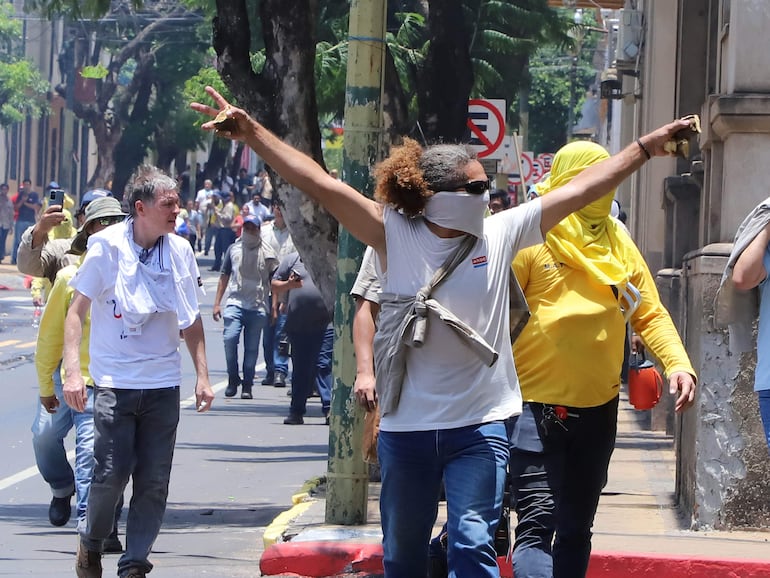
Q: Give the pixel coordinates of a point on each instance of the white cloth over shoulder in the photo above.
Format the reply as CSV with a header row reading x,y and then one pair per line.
x,y
451,381
739,309
402,324
141,290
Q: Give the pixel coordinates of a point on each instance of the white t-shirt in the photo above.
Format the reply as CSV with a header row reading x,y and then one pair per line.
x,y
367,284
278,239
203,198
446,385
149,360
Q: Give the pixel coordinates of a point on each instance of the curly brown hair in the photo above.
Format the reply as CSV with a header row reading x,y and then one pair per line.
x,y
399,179
411,174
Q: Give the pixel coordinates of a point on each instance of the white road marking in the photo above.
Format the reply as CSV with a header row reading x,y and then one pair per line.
x,y
31,472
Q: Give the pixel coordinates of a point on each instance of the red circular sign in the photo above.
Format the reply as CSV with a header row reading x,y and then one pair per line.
x,y
479,134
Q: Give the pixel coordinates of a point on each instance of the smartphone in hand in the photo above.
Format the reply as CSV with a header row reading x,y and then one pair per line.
x,y
56,197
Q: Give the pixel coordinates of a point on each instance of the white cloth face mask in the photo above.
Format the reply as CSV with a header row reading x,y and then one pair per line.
x,y
457,210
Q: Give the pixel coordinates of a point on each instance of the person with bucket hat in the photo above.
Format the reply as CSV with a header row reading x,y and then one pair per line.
x,y
582,285
40,256
247,269
54,418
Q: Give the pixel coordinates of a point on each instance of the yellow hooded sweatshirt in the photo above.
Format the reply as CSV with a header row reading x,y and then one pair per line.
x,y
571,351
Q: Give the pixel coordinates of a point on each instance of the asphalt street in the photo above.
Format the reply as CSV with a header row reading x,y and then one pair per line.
x,y
235,467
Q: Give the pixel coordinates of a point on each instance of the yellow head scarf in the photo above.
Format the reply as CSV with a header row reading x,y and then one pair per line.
x,y
589,238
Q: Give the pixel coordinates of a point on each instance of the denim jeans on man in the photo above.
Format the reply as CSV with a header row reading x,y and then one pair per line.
x,y
472,463
18,231
557,476
210,234
251,322
135,432
311,360
48,433
274,359
3,242
225,237
763,396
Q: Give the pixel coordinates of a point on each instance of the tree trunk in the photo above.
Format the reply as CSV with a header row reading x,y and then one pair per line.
x,y
106,138
135,140
282,97
447,76
218,154
395,110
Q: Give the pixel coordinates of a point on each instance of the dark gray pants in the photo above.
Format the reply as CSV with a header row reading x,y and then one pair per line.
x,y
135,432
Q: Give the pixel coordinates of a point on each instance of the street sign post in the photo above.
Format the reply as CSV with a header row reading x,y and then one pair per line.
x,y
486,122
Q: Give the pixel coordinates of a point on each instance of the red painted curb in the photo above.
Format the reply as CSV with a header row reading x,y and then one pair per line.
x,y
319,559
634,565
323,559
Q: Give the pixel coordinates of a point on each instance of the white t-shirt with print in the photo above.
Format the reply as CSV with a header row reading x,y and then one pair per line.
x,y
446,384
150,360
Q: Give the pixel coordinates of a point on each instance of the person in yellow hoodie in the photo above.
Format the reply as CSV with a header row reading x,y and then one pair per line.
x,y
582,285
54,418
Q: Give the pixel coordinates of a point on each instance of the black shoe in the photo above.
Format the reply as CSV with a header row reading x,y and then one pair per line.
x,y
280,379
112,544
214,269
269,379
246,392
294,419
59,511
231,389
288,392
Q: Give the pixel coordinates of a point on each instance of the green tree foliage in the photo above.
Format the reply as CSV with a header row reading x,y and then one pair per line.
x,y
136,60
559,72
22,89
504,34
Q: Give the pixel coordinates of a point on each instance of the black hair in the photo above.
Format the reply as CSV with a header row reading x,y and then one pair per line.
x,y
502,195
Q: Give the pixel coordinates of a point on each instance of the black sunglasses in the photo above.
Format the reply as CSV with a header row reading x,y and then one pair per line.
x,y
475,187
107,221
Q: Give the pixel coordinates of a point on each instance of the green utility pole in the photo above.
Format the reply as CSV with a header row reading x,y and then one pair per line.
x,y
348,475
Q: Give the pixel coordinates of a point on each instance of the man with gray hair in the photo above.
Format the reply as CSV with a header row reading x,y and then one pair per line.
x,y
140,282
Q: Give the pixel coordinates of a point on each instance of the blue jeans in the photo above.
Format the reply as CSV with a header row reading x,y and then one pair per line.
x,y
251,322
225,237
209,236
3,241
763,396
48,433
135,436
557,476
472,462
18,231
311,360
274,361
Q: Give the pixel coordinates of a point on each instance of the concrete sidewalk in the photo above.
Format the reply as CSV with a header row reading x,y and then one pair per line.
x,y
10,278
637,531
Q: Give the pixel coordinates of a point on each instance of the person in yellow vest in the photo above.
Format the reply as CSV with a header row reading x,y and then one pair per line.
x,y
582,285
54,418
